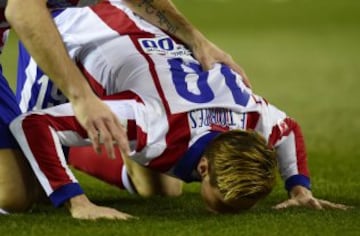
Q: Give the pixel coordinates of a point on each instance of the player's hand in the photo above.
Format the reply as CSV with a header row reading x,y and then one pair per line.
x,y
301,196
81,208
208,54
101,125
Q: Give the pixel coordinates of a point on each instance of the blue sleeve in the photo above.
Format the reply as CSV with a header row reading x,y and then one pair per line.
x,y
64,193
297,180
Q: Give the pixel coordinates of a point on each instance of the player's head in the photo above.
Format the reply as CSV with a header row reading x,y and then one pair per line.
x,y
238,169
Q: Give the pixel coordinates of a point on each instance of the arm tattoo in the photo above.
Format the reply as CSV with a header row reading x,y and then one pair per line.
x,y
163,20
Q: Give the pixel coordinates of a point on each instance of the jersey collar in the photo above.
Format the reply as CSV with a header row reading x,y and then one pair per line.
x,y
188,162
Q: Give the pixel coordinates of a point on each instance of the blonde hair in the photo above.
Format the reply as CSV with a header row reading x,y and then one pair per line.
x,y
241,165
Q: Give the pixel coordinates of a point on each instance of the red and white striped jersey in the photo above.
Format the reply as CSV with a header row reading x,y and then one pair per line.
x,y
172,108
113,24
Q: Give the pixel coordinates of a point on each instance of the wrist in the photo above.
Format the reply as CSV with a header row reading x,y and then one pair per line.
x,y
194,38
299,190
79,93
297,180
76,202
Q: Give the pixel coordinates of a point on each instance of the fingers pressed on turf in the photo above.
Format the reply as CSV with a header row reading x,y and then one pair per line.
x,y
286,204
331,205
315,204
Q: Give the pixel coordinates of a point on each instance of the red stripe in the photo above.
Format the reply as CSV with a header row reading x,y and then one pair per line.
x,y
133,131
43,148
178,135
291,126
98,89
177,141
252,119
153,72
115,18
98,165
177,138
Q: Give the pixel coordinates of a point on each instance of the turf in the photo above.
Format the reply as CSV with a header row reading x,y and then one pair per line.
x,y
304,57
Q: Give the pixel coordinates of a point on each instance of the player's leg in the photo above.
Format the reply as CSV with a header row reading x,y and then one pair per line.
x,y
17,183
18,186
132,176
40,135
149,182
99,166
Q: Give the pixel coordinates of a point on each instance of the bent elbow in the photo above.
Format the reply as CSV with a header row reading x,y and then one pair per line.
x,y
19,12
13,11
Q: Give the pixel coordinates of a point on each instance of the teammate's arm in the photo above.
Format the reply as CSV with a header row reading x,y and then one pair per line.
x,y
35,28
165,15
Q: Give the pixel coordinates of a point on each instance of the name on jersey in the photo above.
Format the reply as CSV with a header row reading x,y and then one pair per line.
x,y
215,116
163,46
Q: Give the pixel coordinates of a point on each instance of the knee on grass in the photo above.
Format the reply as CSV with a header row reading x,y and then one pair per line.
x,y
17,184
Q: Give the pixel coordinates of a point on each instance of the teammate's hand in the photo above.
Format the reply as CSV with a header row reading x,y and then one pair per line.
x,y
301,196
208,54
101,125
81,208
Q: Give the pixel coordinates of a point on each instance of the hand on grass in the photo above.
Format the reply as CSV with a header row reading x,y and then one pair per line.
x,y
81,208
301,196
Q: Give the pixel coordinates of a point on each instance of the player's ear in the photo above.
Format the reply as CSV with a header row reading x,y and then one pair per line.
x,y
203,167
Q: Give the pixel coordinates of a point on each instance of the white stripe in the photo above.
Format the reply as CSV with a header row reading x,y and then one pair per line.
x,y
71,138
61,156
3,212
18,132
30,74
288,166
139,22
126,181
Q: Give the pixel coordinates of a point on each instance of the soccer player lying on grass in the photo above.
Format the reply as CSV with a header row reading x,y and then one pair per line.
x,y
181,121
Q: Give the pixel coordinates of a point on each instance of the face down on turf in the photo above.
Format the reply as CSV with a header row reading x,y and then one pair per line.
x,y
237,170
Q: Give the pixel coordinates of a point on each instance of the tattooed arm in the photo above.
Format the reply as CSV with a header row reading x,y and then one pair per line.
x,y
165,15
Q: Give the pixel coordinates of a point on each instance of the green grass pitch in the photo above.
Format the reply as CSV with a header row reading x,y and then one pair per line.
x,y
304,57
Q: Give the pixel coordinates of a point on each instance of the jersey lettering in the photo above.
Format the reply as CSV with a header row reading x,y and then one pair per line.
x,y
203,92
212,116
43,99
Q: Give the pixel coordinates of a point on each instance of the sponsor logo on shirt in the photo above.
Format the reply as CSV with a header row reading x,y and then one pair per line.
x,y
163,46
